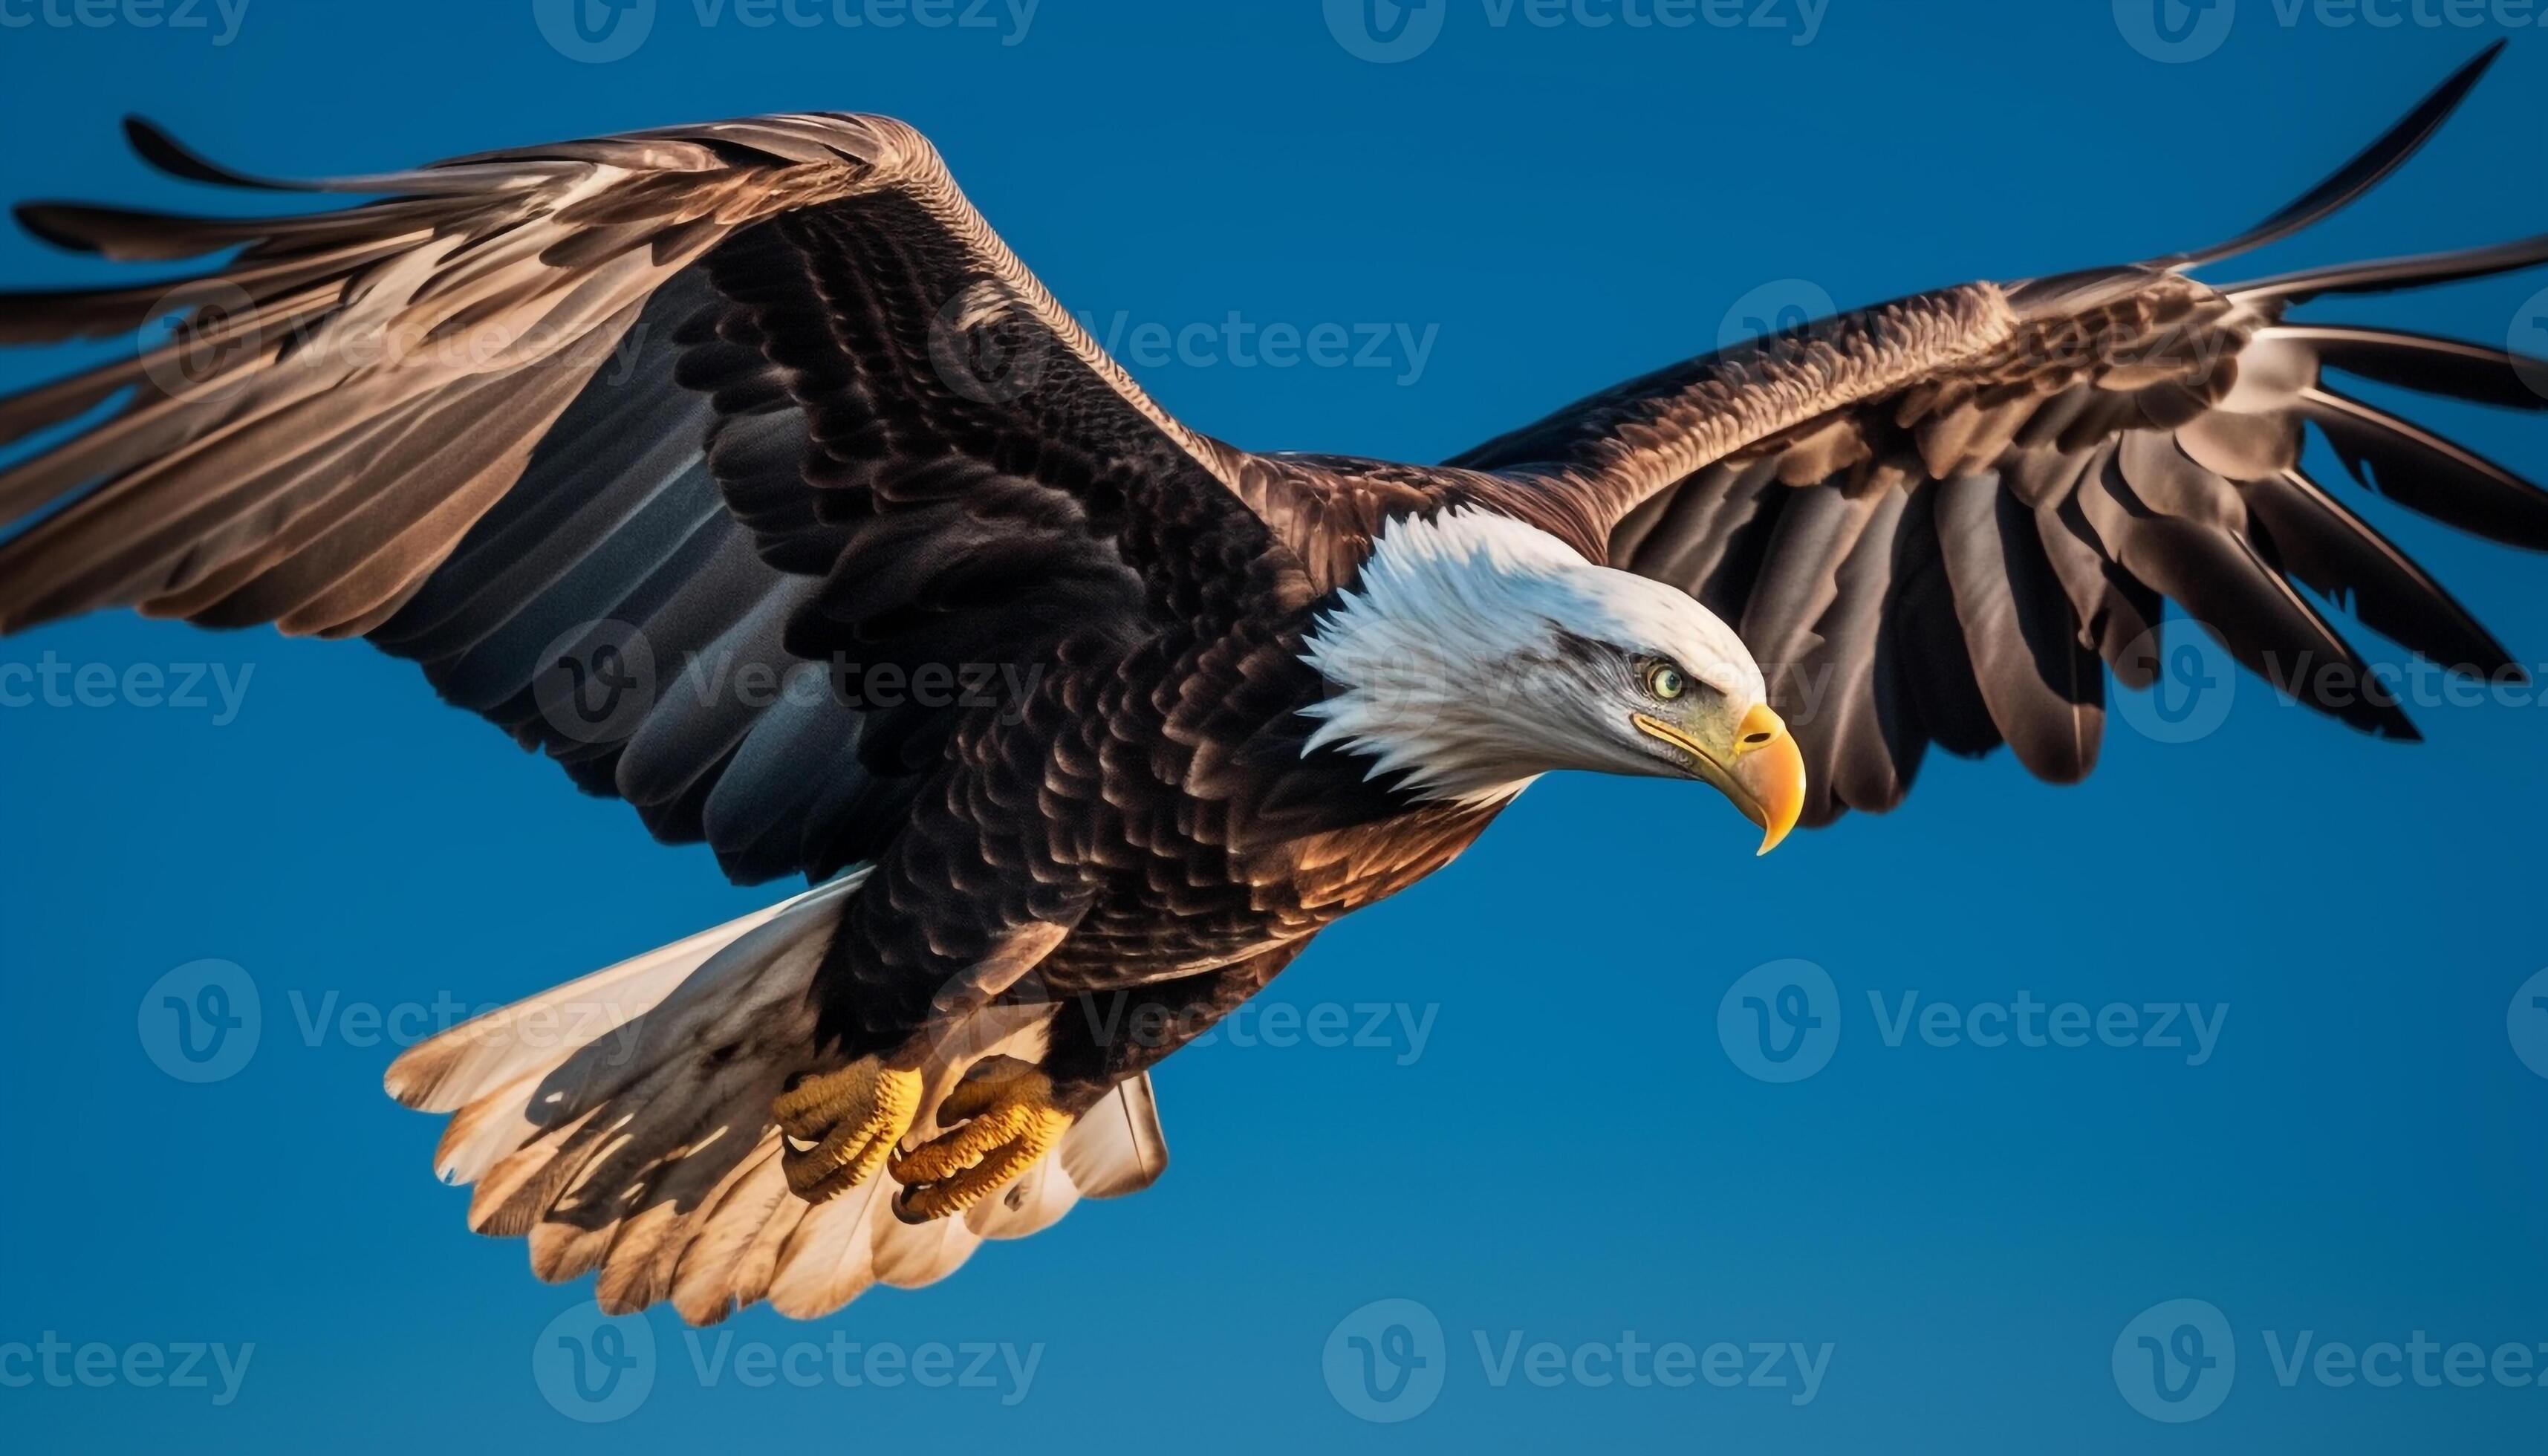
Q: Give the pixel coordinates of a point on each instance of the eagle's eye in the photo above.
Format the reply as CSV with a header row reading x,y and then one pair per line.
x,y
1666,682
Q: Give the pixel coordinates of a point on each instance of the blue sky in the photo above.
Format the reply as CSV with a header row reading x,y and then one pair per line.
x,y
1532,1130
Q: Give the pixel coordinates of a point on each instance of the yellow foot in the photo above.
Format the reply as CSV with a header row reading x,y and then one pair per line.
x,y
1010,1120
841,1126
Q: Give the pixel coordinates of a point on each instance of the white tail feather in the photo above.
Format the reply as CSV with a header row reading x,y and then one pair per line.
x,y
620,1122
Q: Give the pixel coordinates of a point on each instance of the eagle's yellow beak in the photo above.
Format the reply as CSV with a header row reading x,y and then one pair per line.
x,y
1760,769
1772,773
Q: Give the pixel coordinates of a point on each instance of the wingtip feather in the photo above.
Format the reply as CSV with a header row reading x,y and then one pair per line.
x,y
162,152
39,219
2360,173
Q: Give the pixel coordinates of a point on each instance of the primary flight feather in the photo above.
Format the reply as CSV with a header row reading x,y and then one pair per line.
x,y
744,471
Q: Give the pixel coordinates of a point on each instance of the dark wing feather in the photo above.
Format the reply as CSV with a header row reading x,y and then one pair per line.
x,y
2427,474
2341,556
1937,666
2039,467
2442,366
2365,171
2044,689
1858,726
703,408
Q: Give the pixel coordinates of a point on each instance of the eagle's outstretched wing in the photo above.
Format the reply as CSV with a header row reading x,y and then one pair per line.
x,y
1931,520
619,439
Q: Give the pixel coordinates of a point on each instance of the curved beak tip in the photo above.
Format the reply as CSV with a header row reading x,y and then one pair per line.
x,y
1772,771
1765,779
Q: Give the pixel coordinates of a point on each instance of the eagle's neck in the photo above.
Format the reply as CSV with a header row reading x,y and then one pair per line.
x,y
1420,656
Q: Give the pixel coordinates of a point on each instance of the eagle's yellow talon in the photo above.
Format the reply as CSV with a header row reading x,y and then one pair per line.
x,y
1010,1120
840,1127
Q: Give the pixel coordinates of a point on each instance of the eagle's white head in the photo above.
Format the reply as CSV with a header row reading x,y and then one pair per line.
x,y
1478,651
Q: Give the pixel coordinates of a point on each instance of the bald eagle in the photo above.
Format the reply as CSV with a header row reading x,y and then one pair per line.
x,y
741,470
